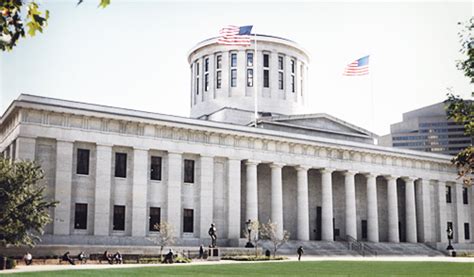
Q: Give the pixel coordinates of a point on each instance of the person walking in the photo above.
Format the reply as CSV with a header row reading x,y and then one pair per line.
x,y
28,258
300,252
201,252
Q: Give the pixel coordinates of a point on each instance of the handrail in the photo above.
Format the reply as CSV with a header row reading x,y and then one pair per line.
x,y
360,247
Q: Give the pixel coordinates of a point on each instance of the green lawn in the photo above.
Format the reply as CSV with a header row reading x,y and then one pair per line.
x,y
311,268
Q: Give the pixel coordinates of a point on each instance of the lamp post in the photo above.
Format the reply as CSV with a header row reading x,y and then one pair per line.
x,y
449,232
248,224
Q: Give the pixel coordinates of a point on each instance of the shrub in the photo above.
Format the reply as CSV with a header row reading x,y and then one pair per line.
x,y
11,263
182,260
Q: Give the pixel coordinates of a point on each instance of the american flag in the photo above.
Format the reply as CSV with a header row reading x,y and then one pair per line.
x,y
358,67
235,35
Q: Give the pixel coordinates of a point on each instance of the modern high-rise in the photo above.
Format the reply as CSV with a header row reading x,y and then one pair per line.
x,y
428,129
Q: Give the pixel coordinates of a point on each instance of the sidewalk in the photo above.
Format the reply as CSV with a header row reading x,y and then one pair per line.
x,y
32,268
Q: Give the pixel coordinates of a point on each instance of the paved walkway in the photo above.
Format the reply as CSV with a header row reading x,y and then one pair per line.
x,y
24,268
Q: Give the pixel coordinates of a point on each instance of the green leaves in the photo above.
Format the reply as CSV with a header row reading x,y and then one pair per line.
x,y
104,3
24,211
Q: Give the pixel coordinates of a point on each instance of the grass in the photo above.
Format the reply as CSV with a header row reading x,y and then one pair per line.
x,y
310,268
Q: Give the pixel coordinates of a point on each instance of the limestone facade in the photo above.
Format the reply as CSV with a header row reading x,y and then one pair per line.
x,y
316,188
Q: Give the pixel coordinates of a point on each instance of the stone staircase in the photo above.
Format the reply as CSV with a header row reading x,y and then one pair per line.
x,y
357,248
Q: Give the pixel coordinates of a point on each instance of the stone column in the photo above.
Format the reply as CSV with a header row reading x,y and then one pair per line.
x,y
350,214
139,192
277,198
175,168
251,211
327,233
206,192
102,190
25,148
233,181
441,203
410,210
459,214
62,189
392,205
424,197
372,211
302,203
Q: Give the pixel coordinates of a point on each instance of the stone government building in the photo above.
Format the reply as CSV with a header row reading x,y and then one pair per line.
x,y
117,172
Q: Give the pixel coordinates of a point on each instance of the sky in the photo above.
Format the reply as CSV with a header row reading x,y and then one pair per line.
x,y
133,54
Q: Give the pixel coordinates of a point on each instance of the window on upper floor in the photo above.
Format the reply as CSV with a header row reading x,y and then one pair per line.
x,y
249,59
121,165
465,196
233,60
233,78
155,168
218,61
448,194
189,171
82,166
266,60
218,79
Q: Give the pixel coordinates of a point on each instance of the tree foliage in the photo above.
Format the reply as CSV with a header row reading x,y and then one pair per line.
x,y
165,237
460,110
23,209
21,17
268,231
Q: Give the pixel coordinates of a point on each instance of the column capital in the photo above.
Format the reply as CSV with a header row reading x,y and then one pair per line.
x,y
390,177
252,162
349,172
371,174
327,170
409,178
303,167
277,165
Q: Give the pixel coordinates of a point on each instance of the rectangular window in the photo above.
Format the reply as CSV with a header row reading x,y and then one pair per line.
x,y
250,77
450,226
197,69
467,235
155,168
206,65
82,166
266,78
280,80
293,66
233,60
206,82
364,229
266,60
189,171
465,196
80,216
280,62
448,194
219,62
119,218
188,221
155,219
197,86
121,165
219,79
249,59
233,78
293,87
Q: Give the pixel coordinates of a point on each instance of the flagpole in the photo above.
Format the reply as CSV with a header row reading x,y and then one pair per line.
x,y
372,97
255,83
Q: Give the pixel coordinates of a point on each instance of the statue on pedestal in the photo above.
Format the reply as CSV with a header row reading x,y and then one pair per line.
x,y
213,234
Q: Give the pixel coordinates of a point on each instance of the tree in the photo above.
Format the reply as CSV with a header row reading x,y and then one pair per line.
x,y
23,209
16,14
460,110
166,236
268,231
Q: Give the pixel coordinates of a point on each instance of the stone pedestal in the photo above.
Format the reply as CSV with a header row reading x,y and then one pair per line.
x,y
213,254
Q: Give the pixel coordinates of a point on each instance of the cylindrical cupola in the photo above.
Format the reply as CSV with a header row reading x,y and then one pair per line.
x,y
223,79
